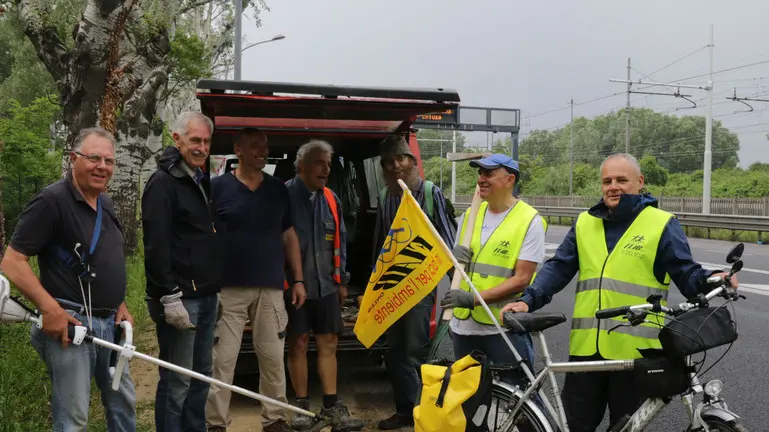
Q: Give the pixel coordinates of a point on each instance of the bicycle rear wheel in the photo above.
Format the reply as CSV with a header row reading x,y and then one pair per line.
x,y
502,403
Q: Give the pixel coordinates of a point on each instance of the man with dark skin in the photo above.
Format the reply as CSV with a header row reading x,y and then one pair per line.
x,y
62,215
326,283
624,249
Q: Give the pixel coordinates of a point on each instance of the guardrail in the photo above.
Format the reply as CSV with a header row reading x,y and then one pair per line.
x,y
729,222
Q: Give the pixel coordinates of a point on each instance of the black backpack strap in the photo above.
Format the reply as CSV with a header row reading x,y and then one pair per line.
x,y
444,388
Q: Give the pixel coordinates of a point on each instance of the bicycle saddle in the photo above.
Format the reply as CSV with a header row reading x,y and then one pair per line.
x,y
525,322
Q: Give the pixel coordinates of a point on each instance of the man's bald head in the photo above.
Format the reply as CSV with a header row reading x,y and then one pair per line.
x,y
620,174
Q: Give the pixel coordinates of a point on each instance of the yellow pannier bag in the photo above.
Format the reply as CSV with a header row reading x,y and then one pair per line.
x,y
454,396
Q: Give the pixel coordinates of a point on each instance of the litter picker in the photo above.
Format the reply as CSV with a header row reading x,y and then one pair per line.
x,y
14,311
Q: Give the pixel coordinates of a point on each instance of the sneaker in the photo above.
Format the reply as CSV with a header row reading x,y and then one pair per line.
x,y
302,422
397,421
341,418
278,426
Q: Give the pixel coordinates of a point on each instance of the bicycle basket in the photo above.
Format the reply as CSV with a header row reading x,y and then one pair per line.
x,y
657,375
698,331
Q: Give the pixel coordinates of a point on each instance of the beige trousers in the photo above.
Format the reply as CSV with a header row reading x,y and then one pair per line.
x,y
267,311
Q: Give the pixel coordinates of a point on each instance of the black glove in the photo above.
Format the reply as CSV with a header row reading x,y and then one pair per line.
x,y
463,254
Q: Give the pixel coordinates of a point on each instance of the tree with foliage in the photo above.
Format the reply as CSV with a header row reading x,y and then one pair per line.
x,y
677,142
29,161
116,63
653,173
430,146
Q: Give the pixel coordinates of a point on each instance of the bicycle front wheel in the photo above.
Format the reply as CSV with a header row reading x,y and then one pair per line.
x,y
715,424
503,400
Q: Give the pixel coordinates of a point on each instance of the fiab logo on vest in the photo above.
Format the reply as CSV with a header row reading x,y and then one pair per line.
x,y
502,249
408,268
635,247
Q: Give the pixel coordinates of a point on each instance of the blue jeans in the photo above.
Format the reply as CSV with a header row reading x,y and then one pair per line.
x,y
408,341
71,370
495,348
180,401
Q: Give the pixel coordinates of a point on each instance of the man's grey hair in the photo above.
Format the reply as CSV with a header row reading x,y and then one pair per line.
x,y
307,148
77,145
182,123
628,157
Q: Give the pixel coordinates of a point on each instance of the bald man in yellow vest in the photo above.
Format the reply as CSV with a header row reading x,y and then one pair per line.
x,y
625,249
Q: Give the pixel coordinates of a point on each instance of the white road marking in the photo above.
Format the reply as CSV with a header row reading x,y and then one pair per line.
x,y
725,266
754,288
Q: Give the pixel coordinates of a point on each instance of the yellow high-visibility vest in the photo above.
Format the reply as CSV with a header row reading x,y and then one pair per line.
x,y
623,278
495,261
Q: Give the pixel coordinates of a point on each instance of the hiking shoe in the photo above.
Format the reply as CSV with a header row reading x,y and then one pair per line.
x,y
397,421
278,426
341,418
302,422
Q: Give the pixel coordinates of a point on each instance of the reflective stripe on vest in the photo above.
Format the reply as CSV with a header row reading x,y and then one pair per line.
x,y
337,238
623,278
495,262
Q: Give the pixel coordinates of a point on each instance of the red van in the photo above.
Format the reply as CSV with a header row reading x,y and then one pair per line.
x,y
354,120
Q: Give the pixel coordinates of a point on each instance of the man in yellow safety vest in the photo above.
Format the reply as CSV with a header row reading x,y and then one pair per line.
x,y
508,242
625,250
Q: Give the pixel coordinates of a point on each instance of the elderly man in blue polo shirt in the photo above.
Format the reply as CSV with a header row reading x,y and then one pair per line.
x,y
253,217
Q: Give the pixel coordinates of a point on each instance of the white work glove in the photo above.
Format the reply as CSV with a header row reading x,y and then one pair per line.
x,y
176,313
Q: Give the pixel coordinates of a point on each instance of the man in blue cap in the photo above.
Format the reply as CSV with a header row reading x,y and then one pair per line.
x,y
508,242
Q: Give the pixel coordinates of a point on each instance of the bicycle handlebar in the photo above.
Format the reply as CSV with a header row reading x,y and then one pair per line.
x,y
675,310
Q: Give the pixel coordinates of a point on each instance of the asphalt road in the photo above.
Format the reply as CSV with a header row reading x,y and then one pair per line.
x,y
744,370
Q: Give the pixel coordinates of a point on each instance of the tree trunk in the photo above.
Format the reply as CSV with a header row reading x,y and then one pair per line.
x,y
2,214
110,78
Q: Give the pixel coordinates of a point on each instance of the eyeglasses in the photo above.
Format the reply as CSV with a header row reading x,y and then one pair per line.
x,y
95,159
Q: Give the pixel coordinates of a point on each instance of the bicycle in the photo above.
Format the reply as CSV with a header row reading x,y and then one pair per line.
x,y
673,361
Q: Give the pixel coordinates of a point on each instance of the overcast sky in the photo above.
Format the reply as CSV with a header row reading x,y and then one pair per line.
x,y
534,56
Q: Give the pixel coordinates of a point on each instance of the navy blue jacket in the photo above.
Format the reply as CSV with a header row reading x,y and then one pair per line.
x,y
674,256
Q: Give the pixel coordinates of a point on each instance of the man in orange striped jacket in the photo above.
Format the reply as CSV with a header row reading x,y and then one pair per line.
x,y
316,212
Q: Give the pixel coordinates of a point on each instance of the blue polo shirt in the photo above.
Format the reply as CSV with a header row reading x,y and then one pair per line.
x,y
251,226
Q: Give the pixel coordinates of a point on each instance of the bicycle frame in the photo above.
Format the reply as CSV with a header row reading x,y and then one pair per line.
x,y
639,420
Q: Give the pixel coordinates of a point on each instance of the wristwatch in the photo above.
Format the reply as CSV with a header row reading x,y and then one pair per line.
x,y
296,282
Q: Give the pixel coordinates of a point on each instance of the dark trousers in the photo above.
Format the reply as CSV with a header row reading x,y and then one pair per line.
x,y
180,400
586,395
408,341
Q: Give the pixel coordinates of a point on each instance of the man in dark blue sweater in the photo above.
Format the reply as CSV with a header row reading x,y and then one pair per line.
x,y
252,213
630,249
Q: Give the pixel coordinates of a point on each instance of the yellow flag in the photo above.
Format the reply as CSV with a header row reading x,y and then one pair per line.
x,y
410,265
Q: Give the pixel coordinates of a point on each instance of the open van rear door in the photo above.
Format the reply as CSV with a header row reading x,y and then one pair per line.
x,y
291,113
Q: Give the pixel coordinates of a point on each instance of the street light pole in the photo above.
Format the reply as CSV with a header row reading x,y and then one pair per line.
x,y
238,36
708,135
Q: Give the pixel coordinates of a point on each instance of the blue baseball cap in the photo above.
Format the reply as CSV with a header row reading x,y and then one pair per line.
x,y
495,161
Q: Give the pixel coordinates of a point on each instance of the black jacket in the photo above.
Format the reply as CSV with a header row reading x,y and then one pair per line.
x,y
181,248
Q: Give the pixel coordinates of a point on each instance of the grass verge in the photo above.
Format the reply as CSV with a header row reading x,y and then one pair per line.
x,y
25,389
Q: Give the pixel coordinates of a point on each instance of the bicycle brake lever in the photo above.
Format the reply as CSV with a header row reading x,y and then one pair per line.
x,y
636,318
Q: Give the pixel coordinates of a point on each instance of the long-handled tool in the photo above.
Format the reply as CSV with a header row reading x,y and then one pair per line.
x,y
13,311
